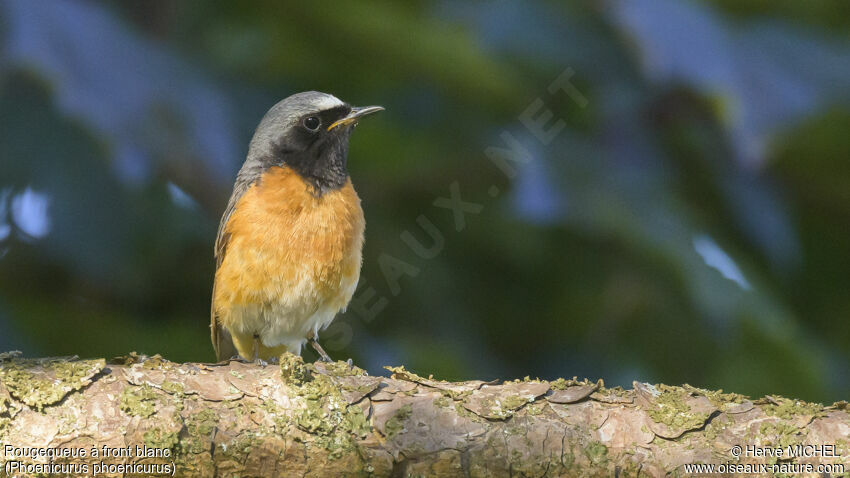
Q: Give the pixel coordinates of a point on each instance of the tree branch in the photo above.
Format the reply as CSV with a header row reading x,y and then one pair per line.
x,y
236,419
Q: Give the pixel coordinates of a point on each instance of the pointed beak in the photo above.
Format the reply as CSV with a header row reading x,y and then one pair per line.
x,y
356,113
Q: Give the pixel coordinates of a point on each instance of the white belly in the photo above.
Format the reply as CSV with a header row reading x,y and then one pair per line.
x,y
301,309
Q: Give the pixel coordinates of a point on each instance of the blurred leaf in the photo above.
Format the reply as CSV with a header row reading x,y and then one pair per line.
x,y
769,74
829,13
330,46
145,104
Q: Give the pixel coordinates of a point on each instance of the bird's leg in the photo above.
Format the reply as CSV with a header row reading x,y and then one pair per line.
x,y
257,359
318,348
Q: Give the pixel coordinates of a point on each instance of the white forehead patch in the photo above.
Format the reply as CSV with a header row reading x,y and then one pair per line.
x,y
327,102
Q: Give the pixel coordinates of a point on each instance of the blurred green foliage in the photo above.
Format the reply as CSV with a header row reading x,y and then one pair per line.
x,y
689,224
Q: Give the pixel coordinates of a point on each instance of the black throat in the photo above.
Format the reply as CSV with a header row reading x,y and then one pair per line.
x,y
322,164
318,156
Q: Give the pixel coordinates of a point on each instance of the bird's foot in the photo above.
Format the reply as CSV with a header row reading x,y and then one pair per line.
x,y
260,362
237,358
323,356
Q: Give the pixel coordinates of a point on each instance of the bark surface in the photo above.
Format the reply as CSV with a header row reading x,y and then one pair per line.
x,y
149,415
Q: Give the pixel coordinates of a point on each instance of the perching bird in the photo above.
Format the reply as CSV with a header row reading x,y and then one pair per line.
x,y
288,250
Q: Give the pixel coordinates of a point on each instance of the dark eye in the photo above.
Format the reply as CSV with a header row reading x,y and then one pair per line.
x,y
312,123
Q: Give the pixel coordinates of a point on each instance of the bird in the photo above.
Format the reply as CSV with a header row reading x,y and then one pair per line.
x,y
289,246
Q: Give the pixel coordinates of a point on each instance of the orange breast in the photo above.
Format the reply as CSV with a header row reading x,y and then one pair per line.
x,y
289,250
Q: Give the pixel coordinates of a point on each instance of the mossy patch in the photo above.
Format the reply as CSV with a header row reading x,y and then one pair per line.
x,y
138,401
67,422
12,354
463,412
395,424
240,446
786,408
337,445
615,395
343,439
39,383
293,371
443,401
458,395
400,373
343,369
512,402
5,404
325,413
716,426
127,359
173,388
159,439
496,407
204,422
596,452
670,407
280,419
7,409
563,383
314,418
617,391
200,427
782,434
719,398
526,379
155,362
323,405
362,388
357,422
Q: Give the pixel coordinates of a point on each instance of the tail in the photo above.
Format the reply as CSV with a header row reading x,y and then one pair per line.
x,y
222,343
221,340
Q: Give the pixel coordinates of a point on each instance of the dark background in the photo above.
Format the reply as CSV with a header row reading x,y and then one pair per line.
x,y
689,223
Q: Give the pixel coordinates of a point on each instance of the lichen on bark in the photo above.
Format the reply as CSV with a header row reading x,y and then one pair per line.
x,y
333,419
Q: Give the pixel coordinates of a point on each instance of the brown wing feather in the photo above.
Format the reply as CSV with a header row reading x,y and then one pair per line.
x,y
221,340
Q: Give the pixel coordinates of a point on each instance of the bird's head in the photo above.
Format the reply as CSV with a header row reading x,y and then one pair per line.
x,y
309,133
